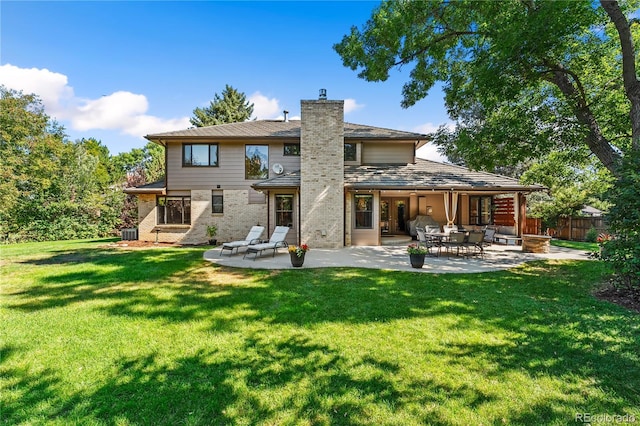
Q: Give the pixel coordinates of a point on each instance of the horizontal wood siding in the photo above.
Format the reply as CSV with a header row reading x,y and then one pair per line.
x,y
380,153
504,212
230,172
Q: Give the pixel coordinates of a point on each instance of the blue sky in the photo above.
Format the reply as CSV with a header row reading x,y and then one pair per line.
x,y
117,71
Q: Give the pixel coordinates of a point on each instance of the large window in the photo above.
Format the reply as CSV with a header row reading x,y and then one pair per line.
x,y
350,152
480,210
364,211
284,210
174,210
292,149
217,202
200,155
256,162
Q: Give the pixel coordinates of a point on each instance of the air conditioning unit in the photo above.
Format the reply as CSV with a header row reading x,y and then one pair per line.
x,y
129,234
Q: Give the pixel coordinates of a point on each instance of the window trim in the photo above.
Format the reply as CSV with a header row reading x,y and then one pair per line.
x,y
367,212
246,176
183,209
291,144
184,157
477,220
277,211
355,152
214,194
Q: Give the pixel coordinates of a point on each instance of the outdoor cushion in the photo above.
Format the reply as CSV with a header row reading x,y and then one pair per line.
x,y
276,241
253,237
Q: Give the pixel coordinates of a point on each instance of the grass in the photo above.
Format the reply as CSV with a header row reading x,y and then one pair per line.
x,y
576,245
98,336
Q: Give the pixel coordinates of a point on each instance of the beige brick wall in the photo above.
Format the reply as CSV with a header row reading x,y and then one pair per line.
x,y
146,217
200,218
322,173
233,224
239,216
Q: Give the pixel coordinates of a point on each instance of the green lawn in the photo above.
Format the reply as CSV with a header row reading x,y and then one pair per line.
x,y
577,245
92,335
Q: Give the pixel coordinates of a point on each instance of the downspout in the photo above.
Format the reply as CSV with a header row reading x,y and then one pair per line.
x,y
166,163
299,218
344,218
268,213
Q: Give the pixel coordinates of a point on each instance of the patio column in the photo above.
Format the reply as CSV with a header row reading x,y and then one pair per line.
x,y
522,213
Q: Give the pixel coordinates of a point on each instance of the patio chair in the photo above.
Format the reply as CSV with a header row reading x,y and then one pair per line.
x,y
473,245
425,240
456,240
253,237
276,241
489,234
447,229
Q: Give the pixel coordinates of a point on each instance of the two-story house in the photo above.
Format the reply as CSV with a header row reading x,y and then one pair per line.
x,y
333,183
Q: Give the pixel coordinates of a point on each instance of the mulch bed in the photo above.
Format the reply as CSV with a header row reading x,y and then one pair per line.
x,y
625,297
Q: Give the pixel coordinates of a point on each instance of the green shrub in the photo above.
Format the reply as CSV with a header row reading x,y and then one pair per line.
x,y
592,235
623,250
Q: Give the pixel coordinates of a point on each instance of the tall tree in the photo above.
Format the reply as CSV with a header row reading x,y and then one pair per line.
x,y
51,188
522,78
231,107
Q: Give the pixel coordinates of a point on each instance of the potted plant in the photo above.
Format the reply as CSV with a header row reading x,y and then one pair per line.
x,y
297,254
416,255
212,230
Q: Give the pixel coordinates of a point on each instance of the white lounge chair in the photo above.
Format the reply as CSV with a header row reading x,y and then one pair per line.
x,y
253,237
276,241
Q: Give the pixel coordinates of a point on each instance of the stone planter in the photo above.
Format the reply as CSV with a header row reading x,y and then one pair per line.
x,y
536,243
417,260
296,261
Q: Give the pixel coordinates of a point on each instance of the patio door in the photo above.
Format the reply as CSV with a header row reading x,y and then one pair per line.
x,y
394,215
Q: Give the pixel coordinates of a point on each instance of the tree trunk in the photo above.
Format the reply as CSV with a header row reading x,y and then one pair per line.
x,y
631,83
596,141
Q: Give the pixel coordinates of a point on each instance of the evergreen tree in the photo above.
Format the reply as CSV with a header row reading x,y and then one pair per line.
x,y
231,107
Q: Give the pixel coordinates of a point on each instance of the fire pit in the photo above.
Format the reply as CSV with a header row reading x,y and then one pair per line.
x,y
536,243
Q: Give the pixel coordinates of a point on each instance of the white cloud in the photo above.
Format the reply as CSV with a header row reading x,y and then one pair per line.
x,y
51,87
351,105
265,108
431,128
120,111
430,151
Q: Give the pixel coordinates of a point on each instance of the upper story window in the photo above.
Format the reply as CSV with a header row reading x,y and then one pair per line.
x,y
350,152
256,162
291,149
200,155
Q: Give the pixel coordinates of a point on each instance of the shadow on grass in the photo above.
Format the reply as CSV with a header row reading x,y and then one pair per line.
x,y
557,330
32,393
293,376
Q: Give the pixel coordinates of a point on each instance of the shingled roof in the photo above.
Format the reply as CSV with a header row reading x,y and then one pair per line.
x,y
280,130
424,174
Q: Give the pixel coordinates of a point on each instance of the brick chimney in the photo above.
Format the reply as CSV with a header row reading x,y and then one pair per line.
x,y
322,172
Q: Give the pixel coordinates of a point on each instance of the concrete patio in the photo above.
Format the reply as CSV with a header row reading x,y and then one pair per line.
x,y
497,257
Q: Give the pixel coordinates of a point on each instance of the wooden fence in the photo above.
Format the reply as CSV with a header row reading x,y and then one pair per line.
x,y
533,225
576,228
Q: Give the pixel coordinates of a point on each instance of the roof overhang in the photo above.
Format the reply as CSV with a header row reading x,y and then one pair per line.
x,y
157,191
